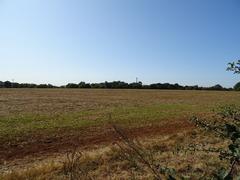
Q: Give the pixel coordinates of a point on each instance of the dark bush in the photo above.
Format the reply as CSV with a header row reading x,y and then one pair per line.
x,y
72,85
237,87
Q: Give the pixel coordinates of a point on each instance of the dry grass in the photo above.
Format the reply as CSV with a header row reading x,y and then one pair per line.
x,y
49,101
23,111
110,163
29,115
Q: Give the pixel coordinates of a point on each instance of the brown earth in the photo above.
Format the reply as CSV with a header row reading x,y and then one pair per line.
x,y
64,140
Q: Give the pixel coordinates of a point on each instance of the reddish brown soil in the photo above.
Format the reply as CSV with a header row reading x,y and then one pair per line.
x,y
64,140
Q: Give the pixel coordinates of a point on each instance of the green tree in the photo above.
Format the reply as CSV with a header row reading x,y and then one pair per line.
x,y
234,66
237,87
71,85
226,125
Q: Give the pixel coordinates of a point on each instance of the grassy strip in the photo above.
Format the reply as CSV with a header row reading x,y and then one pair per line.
x,y
19,125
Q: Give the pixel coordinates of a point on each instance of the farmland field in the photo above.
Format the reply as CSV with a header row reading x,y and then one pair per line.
x,y
37,123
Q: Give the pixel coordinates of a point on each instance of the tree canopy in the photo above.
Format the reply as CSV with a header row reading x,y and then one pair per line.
x,y
237,87
234,66
113,85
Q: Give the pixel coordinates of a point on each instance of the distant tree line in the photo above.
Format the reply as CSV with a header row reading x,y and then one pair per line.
x,y
8,84
118,85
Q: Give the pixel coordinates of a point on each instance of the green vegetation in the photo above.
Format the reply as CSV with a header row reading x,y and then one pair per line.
x,y
45,112
42,122
114,85
237,87
225,125
234,66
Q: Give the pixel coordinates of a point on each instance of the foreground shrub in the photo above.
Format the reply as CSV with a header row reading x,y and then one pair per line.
x,y
237,87
226,124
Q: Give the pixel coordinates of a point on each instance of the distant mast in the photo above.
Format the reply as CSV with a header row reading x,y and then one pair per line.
x,y
12,82
136,79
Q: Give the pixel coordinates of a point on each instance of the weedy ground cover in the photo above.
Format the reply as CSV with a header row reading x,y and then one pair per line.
x,y
39,122
28,110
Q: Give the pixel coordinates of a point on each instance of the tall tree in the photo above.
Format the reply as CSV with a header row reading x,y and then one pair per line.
x,y
234,66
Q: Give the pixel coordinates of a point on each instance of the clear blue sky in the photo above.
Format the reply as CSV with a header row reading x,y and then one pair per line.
x,y
59,41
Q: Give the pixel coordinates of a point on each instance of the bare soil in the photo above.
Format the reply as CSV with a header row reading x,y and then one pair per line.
x,y
61,141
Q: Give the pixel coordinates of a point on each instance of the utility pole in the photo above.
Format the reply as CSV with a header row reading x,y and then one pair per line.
x,y
12,82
